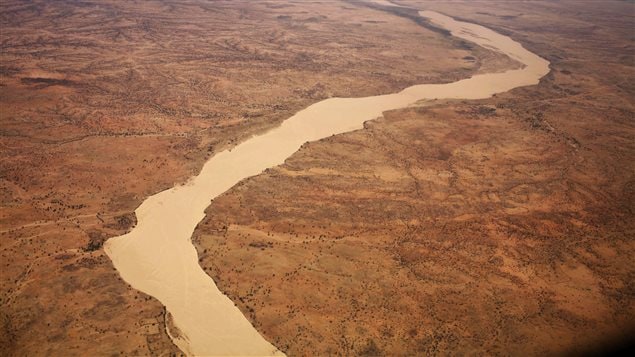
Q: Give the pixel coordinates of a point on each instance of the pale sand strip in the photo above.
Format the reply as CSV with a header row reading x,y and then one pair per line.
x,y
157,257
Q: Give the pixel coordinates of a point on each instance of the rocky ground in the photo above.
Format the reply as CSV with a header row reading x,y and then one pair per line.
x,y
501,226
103,103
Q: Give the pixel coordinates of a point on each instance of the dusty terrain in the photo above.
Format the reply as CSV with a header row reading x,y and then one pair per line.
x,y
104,103
501,226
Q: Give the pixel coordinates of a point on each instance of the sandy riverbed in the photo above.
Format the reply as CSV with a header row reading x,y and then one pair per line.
x,y
157,257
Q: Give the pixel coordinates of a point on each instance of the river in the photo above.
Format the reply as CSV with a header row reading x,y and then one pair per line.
x,y
157,256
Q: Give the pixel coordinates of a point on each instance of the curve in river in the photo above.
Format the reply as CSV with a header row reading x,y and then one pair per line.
x,y
157,256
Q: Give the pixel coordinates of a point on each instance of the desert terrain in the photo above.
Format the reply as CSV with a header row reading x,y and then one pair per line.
x,y
495,226
105,102
500,226
157,256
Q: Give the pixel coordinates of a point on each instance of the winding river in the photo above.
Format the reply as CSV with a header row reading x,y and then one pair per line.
x,y
157,256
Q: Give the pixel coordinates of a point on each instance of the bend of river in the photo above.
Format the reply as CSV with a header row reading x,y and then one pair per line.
x,y
157,256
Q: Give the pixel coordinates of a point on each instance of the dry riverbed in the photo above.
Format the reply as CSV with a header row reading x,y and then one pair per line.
x,y
157,256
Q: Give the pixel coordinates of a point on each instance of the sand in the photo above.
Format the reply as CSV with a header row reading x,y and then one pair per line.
x,y
157,256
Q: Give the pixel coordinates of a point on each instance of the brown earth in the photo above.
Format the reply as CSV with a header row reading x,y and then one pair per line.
x,y
103,103
502,226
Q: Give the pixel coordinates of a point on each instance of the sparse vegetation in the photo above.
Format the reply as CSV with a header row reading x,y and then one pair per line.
x,y
472,227
103,103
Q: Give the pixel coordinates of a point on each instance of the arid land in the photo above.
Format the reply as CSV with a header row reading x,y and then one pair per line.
x,y
500,226
104,103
